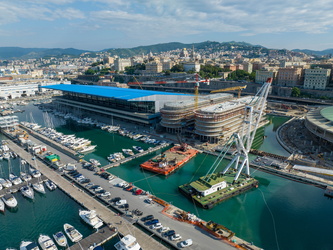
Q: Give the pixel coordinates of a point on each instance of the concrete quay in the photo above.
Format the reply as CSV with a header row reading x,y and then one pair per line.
x,y
109,217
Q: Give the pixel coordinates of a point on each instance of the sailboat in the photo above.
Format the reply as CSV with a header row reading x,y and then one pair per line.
x,y
2,206
23,173
27,192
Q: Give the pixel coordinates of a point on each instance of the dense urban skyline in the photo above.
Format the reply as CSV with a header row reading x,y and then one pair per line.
x,y
101,24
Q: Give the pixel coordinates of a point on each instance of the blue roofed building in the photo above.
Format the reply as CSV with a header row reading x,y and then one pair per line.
x,y
134,105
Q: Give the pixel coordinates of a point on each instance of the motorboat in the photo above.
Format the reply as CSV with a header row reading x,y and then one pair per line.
x,y
46,243
28,245
36,173
39,187
60,238
5,183
50,185
128,242
2,206
128,151
9,200
6,156
73,234
95,162
90,217
27,192
15,179
87,149
1,186
137,148
25,176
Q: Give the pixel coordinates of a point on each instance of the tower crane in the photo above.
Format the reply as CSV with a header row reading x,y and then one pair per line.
x,y
239,88
244,138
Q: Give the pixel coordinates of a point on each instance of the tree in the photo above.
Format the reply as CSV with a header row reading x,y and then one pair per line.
x,y
295,92
90,72
178,68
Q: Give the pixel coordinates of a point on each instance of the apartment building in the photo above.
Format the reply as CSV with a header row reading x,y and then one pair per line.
x,y
289,77
316,78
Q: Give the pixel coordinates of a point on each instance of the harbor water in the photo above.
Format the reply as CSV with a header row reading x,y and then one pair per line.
x,y
280,214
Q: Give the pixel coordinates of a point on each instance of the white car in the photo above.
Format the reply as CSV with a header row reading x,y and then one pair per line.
x,y
175,237
156,226
98,189
186,243
121,202
163,229
121,184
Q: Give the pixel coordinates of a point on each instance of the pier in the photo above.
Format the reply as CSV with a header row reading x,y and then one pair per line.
x,y
108,216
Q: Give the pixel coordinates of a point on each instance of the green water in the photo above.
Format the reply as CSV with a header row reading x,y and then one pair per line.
x,y
280,214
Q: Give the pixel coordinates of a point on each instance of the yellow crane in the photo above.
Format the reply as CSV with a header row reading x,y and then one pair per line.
x,y
239,88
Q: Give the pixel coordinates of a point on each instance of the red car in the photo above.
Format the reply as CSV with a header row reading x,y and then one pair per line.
x,y
138,192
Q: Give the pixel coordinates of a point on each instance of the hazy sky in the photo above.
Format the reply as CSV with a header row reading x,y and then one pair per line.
x,y
101,24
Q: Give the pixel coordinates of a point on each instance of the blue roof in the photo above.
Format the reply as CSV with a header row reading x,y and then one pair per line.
x,y
105,91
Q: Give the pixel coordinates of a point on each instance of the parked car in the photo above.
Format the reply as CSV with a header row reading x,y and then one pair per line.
x,y
175,237
101,191
156,226
124,206
90,185
186,243
163,229
138,192
121,202
149,200
86,180
169,233
98,189
94,186
151,222
148,217
115,199
137,212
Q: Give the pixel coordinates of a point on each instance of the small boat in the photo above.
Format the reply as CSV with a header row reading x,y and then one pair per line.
x,y
46,243
2,206
27,192
15,179
60,238
1,186
9,200
90,217
28,245
73,234
137,148
50,185
6,156
5,183
87,149
127,242
39,187
25,176
128,151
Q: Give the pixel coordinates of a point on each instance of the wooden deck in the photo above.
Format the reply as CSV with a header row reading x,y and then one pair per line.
x,y
110,218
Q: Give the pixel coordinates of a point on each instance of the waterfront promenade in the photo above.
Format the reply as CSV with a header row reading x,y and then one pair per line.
x,y
89,202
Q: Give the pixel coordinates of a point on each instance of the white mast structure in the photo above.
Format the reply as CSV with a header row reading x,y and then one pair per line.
x,y
244,138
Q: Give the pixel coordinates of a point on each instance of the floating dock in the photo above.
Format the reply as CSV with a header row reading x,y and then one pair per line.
x,y
242,185
170,160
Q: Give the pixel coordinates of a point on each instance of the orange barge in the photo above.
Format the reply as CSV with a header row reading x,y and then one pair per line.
x,y
170,160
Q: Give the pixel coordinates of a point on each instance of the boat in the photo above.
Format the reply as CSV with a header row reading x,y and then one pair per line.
x,y
128,242
39,187
9,200
5,183
1,186
95,162
73,234
27,192
50,185
137,148
90,217
128,151
60,238
25,176
46,243
6,156
15,179
86,149
28,245
2,206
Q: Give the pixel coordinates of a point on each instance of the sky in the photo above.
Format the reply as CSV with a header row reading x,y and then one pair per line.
x,y
102,24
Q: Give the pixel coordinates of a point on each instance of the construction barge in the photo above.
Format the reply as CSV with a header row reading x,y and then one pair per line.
x,y
207,192
170,160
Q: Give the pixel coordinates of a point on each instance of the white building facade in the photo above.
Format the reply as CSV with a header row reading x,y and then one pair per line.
x,y
316,78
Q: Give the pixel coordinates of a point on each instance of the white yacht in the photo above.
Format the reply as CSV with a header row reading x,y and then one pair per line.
x,y
95,162
27,192
2,206
35,173
127,243
6,156
50,185
128,151
9,200
5,183
87,149
39,187
1,186
25,176
60,238
73,234
14,179
28,245
137,148
90,217
46,243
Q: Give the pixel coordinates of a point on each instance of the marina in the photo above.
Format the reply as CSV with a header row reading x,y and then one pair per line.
x,y
273,195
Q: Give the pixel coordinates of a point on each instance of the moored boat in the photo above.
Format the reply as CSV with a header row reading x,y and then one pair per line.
x,y
46,243
9,200
128,242
27,192
137,148
73,234
128,151
60,238
50,185
39,187
2,206
28,245
90,217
